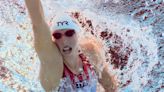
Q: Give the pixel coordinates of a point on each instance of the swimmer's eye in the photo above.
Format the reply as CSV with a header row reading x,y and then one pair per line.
x,y
70,33
57,35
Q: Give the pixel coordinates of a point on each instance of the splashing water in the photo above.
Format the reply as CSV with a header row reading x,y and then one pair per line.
x,y
131,47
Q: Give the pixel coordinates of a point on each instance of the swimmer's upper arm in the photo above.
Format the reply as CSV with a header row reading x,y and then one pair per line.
x,y
105,79
93,49
42,35
47,51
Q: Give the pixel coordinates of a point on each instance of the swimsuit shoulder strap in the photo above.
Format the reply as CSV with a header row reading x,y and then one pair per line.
x,y
86,68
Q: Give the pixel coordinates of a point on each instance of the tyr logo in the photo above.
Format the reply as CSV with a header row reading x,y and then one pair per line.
x,y
62,23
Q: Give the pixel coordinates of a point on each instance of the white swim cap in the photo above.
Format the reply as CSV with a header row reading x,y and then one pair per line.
x,y
64,21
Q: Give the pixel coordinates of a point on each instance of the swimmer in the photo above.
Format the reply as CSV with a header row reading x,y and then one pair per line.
x,y
67,63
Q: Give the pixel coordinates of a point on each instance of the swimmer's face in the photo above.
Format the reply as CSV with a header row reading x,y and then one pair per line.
x,y
66,40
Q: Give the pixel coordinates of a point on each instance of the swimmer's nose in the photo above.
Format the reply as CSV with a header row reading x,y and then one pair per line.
x,y
64,40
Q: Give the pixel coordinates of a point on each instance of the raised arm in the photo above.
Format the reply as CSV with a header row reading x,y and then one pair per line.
x,y
47,51
35,11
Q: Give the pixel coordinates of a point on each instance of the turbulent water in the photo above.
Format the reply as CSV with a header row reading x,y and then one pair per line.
x,y
132,32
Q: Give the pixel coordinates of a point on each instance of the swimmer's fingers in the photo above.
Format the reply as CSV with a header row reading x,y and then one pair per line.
x,y
107,81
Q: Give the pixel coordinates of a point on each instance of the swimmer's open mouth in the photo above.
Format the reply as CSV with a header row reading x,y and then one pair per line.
x,y
67,49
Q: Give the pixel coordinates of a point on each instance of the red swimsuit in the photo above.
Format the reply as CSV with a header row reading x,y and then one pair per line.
x,y
73,82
